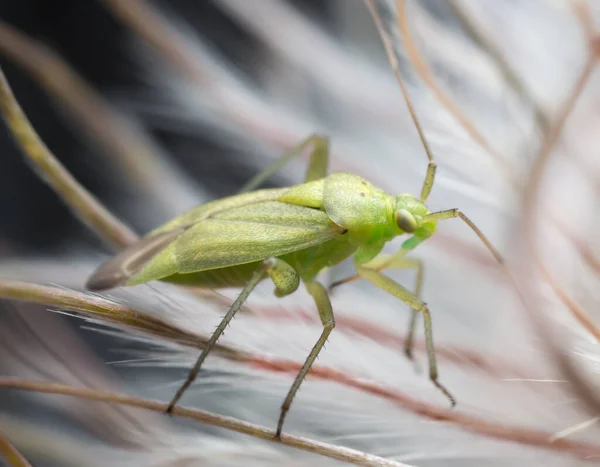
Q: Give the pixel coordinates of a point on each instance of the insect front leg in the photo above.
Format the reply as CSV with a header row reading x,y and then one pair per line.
x,y
319,295
395,289
317,166
286,281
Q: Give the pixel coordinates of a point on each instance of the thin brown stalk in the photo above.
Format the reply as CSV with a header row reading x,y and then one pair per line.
x,y
127,148
428,78
99,308
490,46
327,450
543,155
11,454
95,307
83,204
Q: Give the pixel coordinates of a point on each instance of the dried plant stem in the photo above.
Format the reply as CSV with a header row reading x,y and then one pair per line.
x,y
10,454
128,149
80,201
94,307
335,452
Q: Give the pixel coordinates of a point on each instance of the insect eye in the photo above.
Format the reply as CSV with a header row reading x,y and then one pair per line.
x,y
406,221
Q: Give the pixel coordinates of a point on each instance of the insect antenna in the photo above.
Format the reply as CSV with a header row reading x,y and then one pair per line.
x,y
391,55
431,168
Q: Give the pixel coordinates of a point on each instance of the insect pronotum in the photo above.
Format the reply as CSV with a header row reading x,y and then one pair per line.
x,y
289,235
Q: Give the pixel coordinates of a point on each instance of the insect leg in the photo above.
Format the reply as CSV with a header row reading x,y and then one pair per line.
x,y
382,262
317,167
286,281
396,261
319,295
395,289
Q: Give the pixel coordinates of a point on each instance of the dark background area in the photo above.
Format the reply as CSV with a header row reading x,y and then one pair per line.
x,y
94,43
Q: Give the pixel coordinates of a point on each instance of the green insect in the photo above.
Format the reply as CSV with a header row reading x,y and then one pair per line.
x,y
289,235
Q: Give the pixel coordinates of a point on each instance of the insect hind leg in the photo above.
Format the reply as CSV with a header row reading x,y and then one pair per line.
x,y
286,281
321,299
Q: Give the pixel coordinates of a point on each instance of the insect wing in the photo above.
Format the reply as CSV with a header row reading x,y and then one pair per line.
x,y
238,236
117,270
252,233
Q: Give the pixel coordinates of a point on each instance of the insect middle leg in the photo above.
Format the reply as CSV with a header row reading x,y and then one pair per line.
x,y
321,298
412,300
286,281
317,166
396,261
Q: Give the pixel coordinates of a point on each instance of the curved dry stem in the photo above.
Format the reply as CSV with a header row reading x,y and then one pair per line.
x,y
428,78
11,454
327,450
83,204
127,148
543,155
94,307
490,46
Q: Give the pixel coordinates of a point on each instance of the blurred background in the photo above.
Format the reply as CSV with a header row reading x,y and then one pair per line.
x,y
157,106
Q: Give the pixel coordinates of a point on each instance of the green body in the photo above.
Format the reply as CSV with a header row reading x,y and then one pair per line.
x,y
311,226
